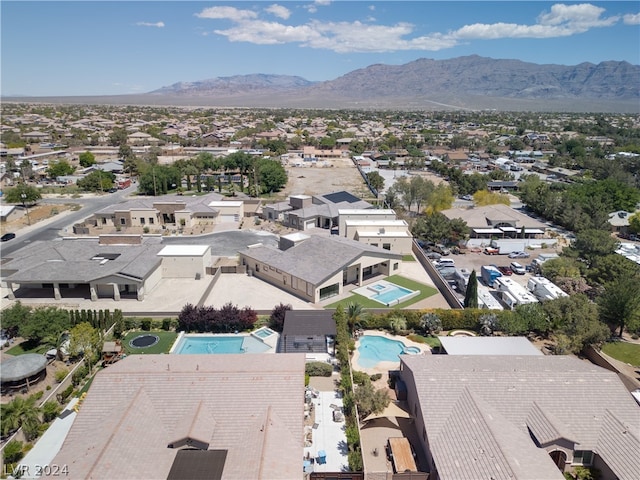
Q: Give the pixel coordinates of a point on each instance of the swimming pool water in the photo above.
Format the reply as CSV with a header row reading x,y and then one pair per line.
x,y
393,293
220,344
264,332
374,349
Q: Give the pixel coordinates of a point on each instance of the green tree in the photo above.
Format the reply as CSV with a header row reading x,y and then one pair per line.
x,y
591,244
56,341
376,181
471,295
620,303
441,198
430,323
578,319
97,181
15,194
45,322
370,400
15,317
21,413
271,175
85,340
484,197
397,323
354,313
59,168
118,137
634,222
562,267
609,268
87,159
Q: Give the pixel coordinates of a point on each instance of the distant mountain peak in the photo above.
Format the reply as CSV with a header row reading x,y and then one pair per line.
x,y
471,81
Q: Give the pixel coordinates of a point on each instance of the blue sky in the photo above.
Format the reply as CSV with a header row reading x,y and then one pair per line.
x,y
121,47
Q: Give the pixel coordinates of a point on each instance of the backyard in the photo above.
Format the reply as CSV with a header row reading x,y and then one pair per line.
x,y
425,292
165,341
624,352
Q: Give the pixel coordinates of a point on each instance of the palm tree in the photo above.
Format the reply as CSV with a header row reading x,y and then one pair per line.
x,y
354,312
21,412
397,323
56,341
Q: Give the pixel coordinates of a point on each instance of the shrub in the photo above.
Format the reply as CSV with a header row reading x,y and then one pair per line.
x,y
318,369
13,451
376,377
360,378
166,324
61,375
79,374
276,320
145,229
145,324
306,379
50,410
66,393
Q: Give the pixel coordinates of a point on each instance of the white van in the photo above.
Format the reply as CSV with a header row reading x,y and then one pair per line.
x,y
445,262
517,268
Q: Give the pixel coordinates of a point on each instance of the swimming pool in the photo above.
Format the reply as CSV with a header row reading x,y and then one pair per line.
x,y
219,344
386,293
374,349
263,332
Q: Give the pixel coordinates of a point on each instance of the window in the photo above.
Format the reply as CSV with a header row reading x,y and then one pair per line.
x,y
104,221
141,220
151,220
329,291
386,246
123,221
395,266
374,244
582,457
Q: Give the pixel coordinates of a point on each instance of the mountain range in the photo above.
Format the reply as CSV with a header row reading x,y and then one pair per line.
x,y
470,82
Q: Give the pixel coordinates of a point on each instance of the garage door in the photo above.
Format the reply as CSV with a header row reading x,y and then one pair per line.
x,y
229,218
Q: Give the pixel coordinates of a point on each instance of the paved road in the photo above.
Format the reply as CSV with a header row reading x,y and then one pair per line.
x,y
51,229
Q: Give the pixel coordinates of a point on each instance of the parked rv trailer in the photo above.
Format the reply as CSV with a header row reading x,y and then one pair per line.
x,y
512,293
544,289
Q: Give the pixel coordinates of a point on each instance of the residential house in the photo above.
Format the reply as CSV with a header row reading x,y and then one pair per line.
x,y
317,267
169,210
498,221
320,211
231,417
376,227
520,417
111,266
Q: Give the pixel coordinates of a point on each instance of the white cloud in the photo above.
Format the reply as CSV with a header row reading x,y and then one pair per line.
x,y
149,24
343,37
313,7
279,11
229,13
631,19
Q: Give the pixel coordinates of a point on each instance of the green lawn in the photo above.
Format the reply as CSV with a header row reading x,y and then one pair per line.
x,y
408,258
431,341
624,352
28,347
163,345
425,292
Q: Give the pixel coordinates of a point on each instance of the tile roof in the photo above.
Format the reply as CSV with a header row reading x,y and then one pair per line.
x,y
478,217
317,258
249,405
72,261
551,396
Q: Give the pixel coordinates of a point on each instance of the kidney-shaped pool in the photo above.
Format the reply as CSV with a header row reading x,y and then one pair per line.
x,y
374,349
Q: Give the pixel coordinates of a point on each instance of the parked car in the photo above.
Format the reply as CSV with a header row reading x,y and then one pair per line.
x,y
517,268
491,251
441,249
505,270
445,262
519,255
434,256
8,236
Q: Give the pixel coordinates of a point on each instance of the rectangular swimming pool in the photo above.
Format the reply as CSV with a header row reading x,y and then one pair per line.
x,y
219,344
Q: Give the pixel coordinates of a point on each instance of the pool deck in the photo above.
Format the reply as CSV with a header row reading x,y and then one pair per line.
x,y
384,367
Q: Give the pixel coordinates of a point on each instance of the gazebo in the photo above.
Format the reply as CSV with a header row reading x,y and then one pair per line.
x,y
22,371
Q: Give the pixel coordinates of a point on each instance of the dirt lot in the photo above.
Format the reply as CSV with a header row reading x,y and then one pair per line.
x,y
339,174
36,214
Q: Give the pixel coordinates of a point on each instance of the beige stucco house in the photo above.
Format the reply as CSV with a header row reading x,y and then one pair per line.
x,y
315,268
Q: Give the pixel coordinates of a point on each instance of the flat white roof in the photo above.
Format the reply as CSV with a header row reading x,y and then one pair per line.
x,y
488,346
382,234
232,203
376,223
366,211
487,230
296,236
183,250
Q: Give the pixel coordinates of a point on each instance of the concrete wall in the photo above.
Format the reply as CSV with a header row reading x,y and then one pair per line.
x,y
185,266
